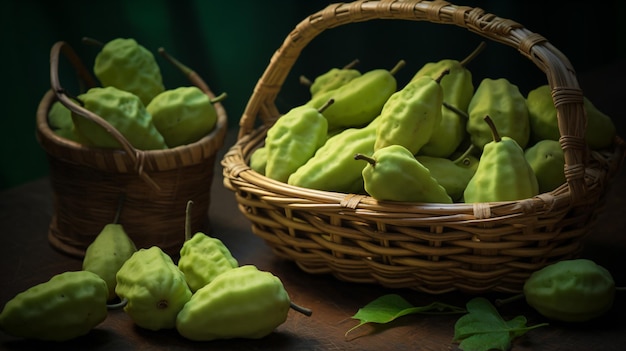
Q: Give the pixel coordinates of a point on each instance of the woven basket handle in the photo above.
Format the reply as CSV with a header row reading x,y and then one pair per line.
x,y
566,93
61,47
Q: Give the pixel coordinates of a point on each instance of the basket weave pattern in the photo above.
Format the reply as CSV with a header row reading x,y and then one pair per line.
x,y
434,248
87,182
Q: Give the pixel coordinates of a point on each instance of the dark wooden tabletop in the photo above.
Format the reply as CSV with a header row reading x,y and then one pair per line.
x,y
26,259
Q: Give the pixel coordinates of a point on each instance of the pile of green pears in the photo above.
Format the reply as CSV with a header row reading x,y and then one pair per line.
x,y
133,99
438,139
206,295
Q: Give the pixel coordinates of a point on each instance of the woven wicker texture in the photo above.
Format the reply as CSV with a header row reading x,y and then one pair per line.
x,y
87,182
434,248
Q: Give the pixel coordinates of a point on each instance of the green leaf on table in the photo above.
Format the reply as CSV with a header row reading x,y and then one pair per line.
x,y
390,307
482,328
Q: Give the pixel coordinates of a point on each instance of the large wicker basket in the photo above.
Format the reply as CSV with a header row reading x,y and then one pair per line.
x,y
156,184
433,248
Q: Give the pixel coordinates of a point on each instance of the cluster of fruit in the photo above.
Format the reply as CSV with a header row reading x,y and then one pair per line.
x,y
134,100
438,139
207,295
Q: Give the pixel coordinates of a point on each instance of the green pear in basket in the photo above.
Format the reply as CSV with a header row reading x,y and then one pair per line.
x,y
393,173
125,112
183,115
544,123
60,121
458,89
125,64
503,173
547,161
410,115
503,102
331,80
359,101
453,175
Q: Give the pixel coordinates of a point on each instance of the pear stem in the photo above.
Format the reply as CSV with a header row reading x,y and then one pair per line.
x,y
325,106
441,75
455,109
117,306
370,160
397,67
120,202
466,153
494,131
500,302
305,311
351,64
92,42
188,220
193,77
305,81
473,54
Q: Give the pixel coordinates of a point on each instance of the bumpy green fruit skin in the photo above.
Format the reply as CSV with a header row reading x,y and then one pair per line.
x,y
292,140
575,290
67,306
458,90
452,176
155,288
125,112
359,101
60,121
182,115
600,130
107,253
128,66
243,302
398,176
333,167
258,160
503,102
410,115
547,160
503,174
331,80
203,258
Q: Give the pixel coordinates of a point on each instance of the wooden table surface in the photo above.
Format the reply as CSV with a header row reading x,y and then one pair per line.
x,y
26,259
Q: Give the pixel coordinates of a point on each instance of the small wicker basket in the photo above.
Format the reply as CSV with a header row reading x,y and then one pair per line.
x,y
433,248
156,184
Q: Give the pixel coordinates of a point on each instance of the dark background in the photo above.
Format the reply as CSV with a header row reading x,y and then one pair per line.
x,y
229,43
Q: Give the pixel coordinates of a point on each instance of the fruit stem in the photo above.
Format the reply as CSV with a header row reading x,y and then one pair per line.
x,y
120,202
117,306
305,81
370,160
443,74
466,153
92,42
188,220
305,311
494,131
500,302
191,74
397,67
351,64
325,106
219,98
473,54
455,109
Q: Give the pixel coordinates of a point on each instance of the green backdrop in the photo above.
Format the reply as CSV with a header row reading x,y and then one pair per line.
x,y
229,43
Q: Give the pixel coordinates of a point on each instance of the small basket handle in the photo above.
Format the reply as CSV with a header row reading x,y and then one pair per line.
x,y
137,156
566,93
